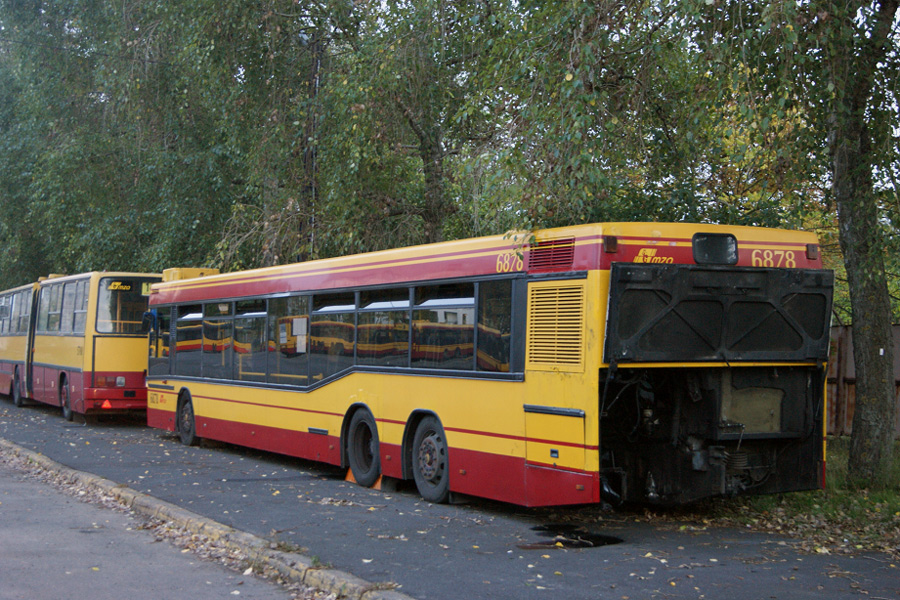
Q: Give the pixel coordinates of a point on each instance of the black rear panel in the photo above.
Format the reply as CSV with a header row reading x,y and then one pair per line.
x,y
691,313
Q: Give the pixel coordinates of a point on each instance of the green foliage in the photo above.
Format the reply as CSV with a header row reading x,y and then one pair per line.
x,y
111,178
154,134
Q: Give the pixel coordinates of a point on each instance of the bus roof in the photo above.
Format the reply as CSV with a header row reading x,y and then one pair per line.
x,y
459,259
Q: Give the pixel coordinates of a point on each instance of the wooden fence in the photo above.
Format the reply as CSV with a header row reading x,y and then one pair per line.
x,y
842,381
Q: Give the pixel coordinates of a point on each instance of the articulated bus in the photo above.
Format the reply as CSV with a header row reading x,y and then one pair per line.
x,y
650,363
16,326
77,342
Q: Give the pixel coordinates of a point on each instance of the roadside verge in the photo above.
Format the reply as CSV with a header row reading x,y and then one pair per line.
x,y
291,566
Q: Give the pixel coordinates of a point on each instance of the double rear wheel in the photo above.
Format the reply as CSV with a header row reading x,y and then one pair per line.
x,y
429,455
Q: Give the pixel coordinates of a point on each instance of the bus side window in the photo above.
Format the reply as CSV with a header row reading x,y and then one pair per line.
x,y
159,356
43,309
383,328
23,312
288,341
54,310
332,334
81,301
494,325
67,319
17,301
250,340
4,314
217,339
444,326
188,340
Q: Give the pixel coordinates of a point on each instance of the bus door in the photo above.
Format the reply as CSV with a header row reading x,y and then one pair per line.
x,y
29,344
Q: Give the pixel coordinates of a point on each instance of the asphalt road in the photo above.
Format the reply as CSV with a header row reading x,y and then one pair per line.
x,y
54,546
475,550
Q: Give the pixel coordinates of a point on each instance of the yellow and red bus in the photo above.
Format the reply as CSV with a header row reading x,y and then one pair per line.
x,y
642,362
16,307
77,342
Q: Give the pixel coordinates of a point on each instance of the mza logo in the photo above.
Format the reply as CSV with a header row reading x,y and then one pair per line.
x,y
119,286
648,255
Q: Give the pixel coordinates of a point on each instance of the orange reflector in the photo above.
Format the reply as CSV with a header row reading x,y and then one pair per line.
x,y
106,404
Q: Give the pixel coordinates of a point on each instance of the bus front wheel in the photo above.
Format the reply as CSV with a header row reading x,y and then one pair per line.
x,y
187,426
430,468
362,448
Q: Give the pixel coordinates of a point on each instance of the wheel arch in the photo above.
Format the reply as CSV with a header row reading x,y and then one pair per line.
x,y
62,380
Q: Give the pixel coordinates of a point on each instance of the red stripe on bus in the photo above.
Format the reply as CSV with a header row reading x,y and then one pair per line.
x,y
290,408
520,438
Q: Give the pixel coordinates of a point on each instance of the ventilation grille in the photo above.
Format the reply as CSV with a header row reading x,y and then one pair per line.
x,y
556,327
552,255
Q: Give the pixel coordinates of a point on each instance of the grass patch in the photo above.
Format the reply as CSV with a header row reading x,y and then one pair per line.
x,y
834,520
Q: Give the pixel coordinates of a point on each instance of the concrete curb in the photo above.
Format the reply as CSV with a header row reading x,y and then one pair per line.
x,y
293,567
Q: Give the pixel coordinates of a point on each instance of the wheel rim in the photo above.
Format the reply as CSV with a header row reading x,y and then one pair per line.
x,y
431,458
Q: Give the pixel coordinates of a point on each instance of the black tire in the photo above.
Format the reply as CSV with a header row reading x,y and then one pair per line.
x,y
430,463
65,401
186,424
362,448
17,397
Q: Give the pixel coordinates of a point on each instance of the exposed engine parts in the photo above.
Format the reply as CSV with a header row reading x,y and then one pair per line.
x,y
675,436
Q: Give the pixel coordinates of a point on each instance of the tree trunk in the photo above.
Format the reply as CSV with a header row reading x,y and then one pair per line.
x,y
431,150
871,447
435,203
306,210
854,64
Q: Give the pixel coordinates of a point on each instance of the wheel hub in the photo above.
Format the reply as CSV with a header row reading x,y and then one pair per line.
x,y
428,457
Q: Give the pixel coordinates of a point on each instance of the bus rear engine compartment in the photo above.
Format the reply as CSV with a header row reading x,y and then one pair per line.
x,y
715,383
671,436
